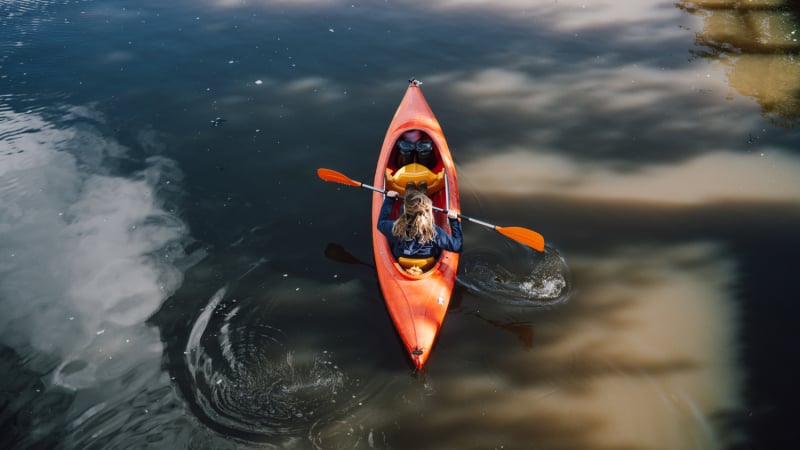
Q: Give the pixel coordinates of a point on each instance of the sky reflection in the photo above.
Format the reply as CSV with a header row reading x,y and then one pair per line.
x,y
644,357
714,177
579,117
86,254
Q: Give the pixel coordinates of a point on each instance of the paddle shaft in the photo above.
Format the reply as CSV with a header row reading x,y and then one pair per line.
x,y
522,235
435,208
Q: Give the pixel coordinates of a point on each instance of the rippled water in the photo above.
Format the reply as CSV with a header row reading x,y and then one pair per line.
x,y
517,276
174,275
246,381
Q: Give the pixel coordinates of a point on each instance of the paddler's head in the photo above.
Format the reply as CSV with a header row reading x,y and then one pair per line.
x,y
417,218
416,203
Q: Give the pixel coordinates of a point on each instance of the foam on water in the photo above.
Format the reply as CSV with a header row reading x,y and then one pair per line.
x,y
515,275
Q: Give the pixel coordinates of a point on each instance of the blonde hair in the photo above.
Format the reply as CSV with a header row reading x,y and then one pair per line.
x,y
417,218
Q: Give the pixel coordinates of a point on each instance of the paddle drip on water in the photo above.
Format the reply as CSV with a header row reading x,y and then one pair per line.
x,y
514,275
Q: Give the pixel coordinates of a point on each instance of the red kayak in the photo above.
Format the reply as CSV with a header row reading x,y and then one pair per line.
x,y
417,302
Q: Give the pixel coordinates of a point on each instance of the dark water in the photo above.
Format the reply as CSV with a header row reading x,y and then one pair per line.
x,y
174,275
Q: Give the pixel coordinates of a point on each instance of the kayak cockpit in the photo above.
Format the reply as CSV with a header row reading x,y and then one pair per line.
x,y
415,159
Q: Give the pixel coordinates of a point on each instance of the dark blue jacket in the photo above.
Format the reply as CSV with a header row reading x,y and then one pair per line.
x,y
413,248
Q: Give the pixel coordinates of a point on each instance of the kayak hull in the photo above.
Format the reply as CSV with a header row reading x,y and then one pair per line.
x,y
417,304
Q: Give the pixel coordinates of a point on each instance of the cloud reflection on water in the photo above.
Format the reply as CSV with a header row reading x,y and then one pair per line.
x,y
644,356
709,178
88,255
607,361
651,164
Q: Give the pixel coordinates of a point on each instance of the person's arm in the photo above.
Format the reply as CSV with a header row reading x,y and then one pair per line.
x,y
454,242
384,223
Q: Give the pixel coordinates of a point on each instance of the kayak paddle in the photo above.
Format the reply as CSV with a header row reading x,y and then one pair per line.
x,y
524,236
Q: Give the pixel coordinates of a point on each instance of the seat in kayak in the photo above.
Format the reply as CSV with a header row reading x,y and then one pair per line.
x,y
421,263
414,173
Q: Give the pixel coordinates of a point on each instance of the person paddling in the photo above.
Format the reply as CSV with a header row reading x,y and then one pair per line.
x,y
415,234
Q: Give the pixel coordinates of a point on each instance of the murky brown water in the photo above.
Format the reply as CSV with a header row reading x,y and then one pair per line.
x,y
173,274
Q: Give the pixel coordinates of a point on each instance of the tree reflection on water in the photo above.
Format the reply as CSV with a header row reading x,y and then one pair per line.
x,y
759,44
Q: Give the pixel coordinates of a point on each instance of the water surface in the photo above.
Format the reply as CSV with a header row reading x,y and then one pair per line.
x,y
174,274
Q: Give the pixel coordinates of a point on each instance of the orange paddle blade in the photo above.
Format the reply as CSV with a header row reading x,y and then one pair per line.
x,y
336,177
523,236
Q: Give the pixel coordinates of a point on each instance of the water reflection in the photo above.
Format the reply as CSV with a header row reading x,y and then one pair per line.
x,y
103,242
718,177
88,255
644,355
579,105
759,45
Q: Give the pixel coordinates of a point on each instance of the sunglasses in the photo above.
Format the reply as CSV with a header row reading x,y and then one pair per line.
x,y
420,146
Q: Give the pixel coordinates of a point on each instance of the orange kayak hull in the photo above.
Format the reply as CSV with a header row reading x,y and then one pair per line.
x,y
416,304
